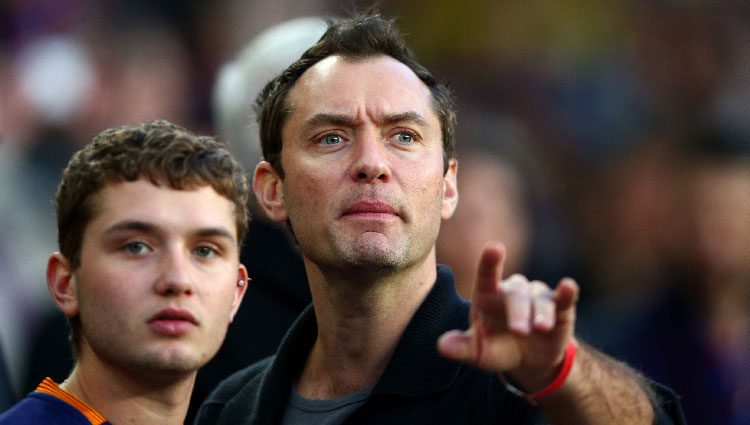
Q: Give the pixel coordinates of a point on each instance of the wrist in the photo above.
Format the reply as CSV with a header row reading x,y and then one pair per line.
x,y
555,384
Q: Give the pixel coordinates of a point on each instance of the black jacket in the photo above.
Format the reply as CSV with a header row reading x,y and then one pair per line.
x,y
418,386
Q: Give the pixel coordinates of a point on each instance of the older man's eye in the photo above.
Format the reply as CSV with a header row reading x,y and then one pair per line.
x,y
331,139
405,138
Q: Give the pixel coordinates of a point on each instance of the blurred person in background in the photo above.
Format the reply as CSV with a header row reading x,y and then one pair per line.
x,y
495,187
667,221
625,234
695,333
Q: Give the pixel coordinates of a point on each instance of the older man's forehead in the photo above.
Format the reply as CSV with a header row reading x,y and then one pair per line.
x,y
393,92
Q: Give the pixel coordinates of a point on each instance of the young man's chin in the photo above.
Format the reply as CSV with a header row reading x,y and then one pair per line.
x,y
171,360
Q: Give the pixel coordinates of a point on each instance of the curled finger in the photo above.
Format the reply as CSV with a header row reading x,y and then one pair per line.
x,y
517,295
543,305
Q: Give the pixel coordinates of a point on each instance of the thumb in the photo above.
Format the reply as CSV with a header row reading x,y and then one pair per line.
x,y
474,347
457,345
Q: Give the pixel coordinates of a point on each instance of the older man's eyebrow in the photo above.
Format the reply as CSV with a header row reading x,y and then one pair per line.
x,y
329,119
406,117
349,121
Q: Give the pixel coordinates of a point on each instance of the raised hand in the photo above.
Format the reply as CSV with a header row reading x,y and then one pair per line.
x,y
517,326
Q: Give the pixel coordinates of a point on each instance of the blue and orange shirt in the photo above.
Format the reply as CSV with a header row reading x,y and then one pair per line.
x,y
50,404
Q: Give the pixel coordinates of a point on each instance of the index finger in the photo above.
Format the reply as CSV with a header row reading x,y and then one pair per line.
x,y
490,269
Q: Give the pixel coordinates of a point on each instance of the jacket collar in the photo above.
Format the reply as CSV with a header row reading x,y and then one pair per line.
x,y
285,367
416,369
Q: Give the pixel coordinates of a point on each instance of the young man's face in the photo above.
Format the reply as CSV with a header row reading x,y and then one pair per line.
x,y
363,161
157,285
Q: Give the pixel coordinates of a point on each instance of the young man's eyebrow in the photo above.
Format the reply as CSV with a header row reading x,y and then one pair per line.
x,y
146,227
138,225
215,231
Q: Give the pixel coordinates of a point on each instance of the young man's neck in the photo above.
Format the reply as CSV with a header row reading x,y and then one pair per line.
x,y
122,397
360,322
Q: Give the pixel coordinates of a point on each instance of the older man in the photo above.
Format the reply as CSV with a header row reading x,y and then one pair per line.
x,y
359,150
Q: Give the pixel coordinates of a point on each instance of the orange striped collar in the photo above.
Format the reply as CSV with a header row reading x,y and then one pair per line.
x,y
48,386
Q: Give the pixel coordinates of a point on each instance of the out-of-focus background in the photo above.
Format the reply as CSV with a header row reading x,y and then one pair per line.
x,y
603,140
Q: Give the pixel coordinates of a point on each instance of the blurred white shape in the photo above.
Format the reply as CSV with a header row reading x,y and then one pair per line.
x,y
56,75
240,80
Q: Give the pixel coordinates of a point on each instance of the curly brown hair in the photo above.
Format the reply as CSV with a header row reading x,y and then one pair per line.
x,y
163,152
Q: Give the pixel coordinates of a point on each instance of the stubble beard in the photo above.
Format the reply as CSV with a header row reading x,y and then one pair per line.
x,y
357,257
365,255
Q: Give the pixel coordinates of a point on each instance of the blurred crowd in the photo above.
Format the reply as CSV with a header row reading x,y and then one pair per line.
x,y
608,141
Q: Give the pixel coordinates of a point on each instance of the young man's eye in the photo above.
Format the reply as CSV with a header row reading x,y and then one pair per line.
x,y
331,139
136,248
205,251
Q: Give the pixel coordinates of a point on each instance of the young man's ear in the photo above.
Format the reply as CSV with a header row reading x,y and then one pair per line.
x,y
243,280
61,282
450,190
267,188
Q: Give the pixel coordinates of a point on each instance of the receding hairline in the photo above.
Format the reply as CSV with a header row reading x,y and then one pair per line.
x,y
405,115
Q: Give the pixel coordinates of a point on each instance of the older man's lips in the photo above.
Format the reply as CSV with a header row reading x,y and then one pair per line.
x,y
172,322
371,210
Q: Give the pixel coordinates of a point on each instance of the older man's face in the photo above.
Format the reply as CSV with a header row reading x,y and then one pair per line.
x,y
363,160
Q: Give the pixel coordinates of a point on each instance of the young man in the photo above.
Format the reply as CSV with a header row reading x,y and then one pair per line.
x,y
150,221
358,139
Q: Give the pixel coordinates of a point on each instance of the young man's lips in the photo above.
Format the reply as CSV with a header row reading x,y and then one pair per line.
x,y
370,208
172,321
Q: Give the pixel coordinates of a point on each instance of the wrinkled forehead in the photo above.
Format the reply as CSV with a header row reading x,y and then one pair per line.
x,y
376,86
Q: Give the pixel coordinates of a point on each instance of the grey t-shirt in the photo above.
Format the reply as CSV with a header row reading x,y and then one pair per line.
x,y
302,411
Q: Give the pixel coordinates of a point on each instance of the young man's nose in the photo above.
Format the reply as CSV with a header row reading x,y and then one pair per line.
x,y
175,277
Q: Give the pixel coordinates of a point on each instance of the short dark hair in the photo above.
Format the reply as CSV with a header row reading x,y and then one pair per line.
x,y
164,153
360,37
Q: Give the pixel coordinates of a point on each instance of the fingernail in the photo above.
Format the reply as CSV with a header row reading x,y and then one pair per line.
x,y
520,325
541,319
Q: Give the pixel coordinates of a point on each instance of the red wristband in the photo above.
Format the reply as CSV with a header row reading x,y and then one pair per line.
x,y
567,365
